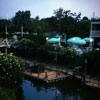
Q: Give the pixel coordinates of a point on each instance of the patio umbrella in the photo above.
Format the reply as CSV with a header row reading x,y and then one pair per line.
x,y
81,42
53,40
58,36
87,39
98,44
76,40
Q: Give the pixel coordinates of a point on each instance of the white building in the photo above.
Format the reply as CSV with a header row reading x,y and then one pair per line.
x,y
95,33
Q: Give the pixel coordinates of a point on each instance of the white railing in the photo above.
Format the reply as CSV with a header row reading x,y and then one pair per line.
x,y
95,34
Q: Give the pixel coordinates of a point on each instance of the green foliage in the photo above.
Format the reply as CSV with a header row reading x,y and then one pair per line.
x,y
27,47
70,50
11,70
48,48
64,56
2,35
93,62
7,93
38,39
6,23
61,49
26,44
70,56
64,21
22,18
43,54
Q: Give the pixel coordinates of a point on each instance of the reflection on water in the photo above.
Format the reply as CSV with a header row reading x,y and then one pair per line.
x,y
65,90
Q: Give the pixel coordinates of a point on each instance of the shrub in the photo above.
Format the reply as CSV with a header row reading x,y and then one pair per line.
x,y
7,93
10,69
92,64
43,54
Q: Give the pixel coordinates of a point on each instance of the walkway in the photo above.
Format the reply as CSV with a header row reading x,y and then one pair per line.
x,y
48,77
90,81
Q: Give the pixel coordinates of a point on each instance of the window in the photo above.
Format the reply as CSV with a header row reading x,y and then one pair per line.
x,y
96,27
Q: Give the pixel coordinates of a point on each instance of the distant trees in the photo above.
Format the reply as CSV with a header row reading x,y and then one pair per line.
x,y
31,25
22,19
63,21
71,23
3,24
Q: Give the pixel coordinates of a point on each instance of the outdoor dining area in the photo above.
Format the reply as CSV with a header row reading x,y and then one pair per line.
x,y
79,44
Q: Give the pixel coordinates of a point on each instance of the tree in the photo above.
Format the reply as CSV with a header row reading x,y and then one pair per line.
x,y
85,18
51,24
93,59
4,23
27,47
26,44
59,13
22,18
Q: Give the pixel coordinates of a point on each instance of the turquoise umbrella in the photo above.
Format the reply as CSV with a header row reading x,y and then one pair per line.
x,y
80,42
98,44
53,40
76,40
87,39
58,36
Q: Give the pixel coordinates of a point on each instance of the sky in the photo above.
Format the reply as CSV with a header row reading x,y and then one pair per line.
x,y
45,8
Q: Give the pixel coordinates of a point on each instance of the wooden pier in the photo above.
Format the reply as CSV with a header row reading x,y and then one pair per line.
x,y
48,77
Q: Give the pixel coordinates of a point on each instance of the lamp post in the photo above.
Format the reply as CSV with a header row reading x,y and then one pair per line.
x,y
22,31
59,41
84,76
47,39
56,57
98,80
6,51
73,41
85,65
65,38
6,31
91,43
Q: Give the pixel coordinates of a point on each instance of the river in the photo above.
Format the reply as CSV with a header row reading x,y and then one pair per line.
x,y
70,89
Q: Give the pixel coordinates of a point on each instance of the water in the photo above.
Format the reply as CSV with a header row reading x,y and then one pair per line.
x,y
70,89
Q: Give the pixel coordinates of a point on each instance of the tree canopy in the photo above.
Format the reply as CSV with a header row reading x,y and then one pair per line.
x,y
63,21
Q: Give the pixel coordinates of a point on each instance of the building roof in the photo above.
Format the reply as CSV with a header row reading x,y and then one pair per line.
x,y
95,22
5,42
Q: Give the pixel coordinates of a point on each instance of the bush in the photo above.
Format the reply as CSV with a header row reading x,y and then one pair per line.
x,y
64,56
10,69
26,47
43,54
92,64
7,93
70,56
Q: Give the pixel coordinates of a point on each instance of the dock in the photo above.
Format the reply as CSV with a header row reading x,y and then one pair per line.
x,y
48,77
